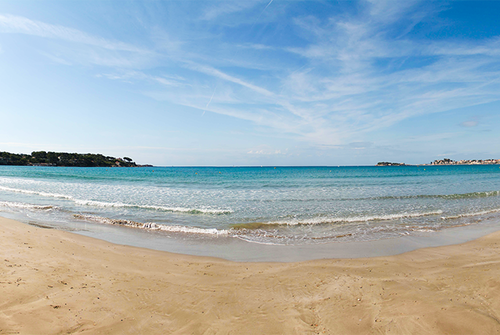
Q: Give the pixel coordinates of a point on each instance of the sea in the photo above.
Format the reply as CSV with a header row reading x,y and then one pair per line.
x,y
256,213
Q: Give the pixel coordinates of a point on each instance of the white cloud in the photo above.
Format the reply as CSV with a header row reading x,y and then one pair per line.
x,y
256,46
219,8
219,74
78,47
21,25
267,150
470,123
129,76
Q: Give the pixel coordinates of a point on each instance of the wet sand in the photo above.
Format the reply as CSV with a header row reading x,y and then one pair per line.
x,y
55,282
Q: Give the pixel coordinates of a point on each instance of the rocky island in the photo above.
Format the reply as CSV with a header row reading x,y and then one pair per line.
x,y
43,158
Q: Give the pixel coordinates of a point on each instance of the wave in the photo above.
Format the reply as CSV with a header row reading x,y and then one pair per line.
x,y
489,211
354,219
153,226
119,204
159,208
484,194
43,194
26,206
318,221
471,195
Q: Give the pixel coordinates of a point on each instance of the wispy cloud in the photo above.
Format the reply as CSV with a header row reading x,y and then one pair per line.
x,y
219,8
219,74
470,123
22,25
78,47
266,150
256,46
131,76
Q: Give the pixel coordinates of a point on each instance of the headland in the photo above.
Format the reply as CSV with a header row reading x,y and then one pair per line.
x,y
43,158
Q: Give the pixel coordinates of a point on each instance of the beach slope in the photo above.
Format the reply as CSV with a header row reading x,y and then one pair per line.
x,y
55,282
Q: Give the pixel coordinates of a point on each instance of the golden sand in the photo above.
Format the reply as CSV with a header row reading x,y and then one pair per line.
x,y
55,282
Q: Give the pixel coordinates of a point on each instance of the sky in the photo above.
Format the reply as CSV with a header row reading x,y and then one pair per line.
x,y
273,82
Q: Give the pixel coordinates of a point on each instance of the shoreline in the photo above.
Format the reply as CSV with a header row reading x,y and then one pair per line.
x,y
55,281
234,249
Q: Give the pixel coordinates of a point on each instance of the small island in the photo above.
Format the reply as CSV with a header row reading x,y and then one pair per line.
x,y
43,158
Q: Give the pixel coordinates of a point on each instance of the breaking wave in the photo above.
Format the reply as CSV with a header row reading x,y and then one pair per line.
x,y
457,196
158,208
119,204
25,206
153,226
43,194
331,220
490,211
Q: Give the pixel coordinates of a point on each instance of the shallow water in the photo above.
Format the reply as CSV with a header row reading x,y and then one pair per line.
x,y
293,206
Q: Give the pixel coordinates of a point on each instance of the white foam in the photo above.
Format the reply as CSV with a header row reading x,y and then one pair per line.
x,y
100,203
154,226
355,218
189,210
451,217
43,194
193,230
160,208
25,206
119,204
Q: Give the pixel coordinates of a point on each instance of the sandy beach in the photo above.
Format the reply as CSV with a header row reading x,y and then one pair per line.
x,y
55,282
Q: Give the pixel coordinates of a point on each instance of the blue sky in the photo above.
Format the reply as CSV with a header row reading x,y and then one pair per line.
x,y
252,82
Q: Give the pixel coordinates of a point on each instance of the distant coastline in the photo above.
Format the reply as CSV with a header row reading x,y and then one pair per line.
x,y
390,164
43,158
447,161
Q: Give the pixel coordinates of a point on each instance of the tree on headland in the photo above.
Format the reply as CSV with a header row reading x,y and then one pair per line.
x,y
44,158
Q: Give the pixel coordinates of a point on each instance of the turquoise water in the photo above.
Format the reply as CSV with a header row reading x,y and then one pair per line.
x,y
262,205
